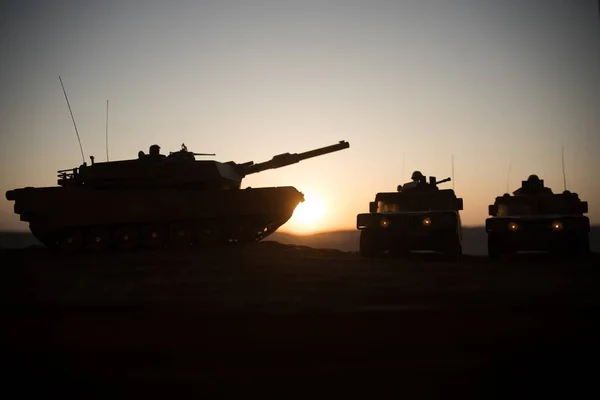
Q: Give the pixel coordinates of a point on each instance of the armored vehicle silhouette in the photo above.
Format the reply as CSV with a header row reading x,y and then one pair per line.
x,y
159,200
536,219
418,216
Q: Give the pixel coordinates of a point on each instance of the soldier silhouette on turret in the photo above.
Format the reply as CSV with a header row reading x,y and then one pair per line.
x,y
155,152
532,186
418,180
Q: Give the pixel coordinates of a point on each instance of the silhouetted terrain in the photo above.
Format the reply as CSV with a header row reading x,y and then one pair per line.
x,y
297,321
474,240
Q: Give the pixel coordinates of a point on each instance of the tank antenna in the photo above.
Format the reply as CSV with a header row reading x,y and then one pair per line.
x,y
73,118
452,171
508,176
106,130
563,167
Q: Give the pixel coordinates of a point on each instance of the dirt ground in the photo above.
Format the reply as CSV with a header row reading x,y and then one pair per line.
x,y
293,321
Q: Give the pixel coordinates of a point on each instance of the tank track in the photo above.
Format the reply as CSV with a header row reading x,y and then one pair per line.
x,y
156,235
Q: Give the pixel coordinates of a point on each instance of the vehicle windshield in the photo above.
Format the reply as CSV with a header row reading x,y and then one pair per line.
x,y
416,203
539,205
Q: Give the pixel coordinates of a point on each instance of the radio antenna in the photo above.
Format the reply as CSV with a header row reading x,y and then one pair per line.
x,y
508,176
563,167
452,171
73,118
106,130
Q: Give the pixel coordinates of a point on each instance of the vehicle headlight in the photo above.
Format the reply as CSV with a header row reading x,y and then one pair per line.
x,y
513,226
385,222
426,221
557,226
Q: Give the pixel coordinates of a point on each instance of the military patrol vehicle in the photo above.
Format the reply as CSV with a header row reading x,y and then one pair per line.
x,y
157,200
536,219
418,216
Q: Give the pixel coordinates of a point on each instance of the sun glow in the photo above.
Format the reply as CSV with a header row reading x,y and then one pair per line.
x,y
307,215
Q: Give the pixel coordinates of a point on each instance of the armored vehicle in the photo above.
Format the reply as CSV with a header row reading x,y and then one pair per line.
x,y
418,216
536,219
157,200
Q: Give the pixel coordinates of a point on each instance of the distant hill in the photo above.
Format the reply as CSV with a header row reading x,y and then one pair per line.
x,y
475,240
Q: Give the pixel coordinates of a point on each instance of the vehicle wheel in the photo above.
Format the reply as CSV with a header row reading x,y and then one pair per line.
x,y
454,253
126,237
98,239
208,235
70,241
370,244
181,235
495,250
579,247
584,247
154,236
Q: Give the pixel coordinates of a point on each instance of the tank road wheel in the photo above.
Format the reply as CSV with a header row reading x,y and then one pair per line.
x,y
154,236
70,240
370,244
98,239
208,235
181,235
126,237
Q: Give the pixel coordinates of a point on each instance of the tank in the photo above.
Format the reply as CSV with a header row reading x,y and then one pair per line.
x,y
158,200
534,218
418,216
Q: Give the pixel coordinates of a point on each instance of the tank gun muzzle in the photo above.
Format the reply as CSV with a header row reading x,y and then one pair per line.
x,y
285,159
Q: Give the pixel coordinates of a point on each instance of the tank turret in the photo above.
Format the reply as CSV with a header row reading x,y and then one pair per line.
x,y
179,169
157,200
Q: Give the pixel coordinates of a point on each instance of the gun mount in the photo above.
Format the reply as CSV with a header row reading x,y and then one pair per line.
x,y
421,184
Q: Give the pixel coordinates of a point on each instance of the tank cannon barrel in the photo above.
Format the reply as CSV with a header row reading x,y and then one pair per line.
x,y
285,159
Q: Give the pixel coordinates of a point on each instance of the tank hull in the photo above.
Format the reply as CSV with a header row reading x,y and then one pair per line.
x,y
79,217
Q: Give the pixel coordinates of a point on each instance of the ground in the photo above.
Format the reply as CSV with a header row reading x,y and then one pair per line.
x,y
297,321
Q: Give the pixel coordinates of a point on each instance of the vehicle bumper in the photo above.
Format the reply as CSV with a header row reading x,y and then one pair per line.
x,y
409,233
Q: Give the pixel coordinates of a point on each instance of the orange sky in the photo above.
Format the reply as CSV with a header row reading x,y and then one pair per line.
x,y
408,84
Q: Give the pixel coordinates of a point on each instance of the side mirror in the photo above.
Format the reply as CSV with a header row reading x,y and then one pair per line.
x,y
584,207
459,204
372,207
492,210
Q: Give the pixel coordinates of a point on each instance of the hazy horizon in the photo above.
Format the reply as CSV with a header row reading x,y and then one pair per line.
x,y
407,83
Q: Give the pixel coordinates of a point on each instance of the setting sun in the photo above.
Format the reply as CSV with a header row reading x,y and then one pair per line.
x,y
307,215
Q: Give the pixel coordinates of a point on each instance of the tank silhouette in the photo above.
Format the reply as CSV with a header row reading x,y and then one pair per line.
x,y
536,219
159,200
418,216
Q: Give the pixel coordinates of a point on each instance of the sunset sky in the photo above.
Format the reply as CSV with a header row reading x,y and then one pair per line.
x,y
407,83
